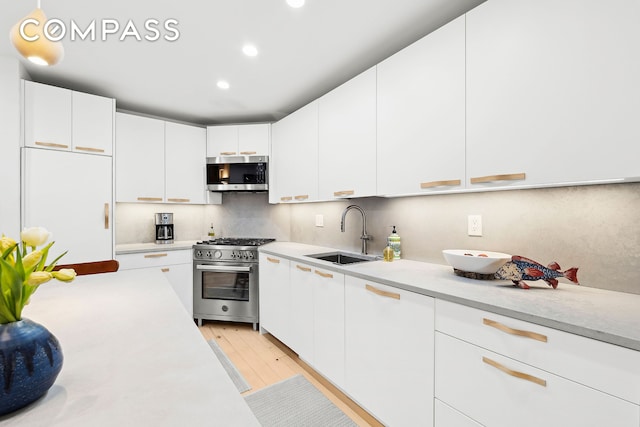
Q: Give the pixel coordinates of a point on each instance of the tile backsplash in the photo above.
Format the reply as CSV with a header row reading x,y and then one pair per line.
x,y
595,228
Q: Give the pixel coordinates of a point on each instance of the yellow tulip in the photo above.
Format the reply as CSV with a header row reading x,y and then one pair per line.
x,y
38,278
32,259
64,274
34,236
6,243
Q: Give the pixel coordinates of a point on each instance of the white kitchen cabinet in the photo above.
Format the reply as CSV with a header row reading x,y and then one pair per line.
x,y
176,264
61,119
185,163
389,351
347,139
328,325
70,194
301,339
552,93
498,391
139,159
421,115
238,140
47,116
502,371
294,157
275,296
92,123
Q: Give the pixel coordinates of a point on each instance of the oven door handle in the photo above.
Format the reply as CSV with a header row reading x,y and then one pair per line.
x,y
220,268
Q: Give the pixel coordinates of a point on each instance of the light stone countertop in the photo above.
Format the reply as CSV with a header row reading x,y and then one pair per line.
x,y
132,248
132,357
608,316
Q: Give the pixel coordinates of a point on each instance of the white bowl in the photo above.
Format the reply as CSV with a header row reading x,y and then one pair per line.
x,y
472,261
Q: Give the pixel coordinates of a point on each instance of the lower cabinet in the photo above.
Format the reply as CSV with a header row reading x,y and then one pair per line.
x,y
389,352
302,317
176,264
500,371
328,324
275,296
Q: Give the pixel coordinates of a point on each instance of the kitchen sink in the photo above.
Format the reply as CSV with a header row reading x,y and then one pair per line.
x,y
343,257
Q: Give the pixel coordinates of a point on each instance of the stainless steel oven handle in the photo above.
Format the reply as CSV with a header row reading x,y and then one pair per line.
x,y
223,268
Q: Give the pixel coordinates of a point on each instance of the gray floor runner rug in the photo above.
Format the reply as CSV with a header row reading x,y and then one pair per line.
x,y
295,402
231,369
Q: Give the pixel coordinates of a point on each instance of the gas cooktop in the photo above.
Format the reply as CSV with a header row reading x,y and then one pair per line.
x,y
237,241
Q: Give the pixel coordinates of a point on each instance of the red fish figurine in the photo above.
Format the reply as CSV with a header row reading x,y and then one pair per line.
x,y
520,268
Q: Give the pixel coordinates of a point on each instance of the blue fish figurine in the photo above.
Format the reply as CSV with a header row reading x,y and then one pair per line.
x,y
520,268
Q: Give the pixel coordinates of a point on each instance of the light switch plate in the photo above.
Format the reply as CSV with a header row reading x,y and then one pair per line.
x,y
319,220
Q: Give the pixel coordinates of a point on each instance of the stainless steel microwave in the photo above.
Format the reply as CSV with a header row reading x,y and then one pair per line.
x,y
238,173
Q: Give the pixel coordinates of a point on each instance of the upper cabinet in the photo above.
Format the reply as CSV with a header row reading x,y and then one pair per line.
x,y
62,119
552,92
185,163
347,139
158,161
420,122
139,159
238,140
294,157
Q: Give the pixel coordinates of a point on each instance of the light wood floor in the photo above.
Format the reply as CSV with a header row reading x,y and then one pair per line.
x,y
263,360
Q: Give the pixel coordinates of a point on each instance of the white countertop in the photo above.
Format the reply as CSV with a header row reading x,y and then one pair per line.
x,y
608,316
132,357
132,248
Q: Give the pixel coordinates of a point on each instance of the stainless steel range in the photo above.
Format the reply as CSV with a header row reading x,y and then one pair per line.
x,y
225,280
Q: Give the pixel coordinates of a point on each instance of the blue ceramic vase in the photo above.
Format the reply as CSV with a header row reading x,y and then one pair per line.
x,y
30,360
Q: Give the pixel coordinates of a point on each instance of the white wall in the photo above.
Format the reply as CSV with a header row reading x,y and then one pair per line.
x,y
595,228
10,146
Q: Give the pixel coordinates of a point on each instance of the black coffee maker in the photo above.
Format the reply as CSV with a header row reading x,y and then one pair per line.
x,y
164,228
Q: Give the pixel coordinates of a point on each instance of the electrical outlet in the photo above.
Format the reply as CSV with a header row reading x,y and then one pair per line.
x,y
474,225
319,220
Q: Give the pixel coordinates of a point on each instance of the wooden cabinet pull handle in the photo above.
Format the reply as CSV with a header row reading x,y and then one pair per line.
x,y
381,292
449,183
177,200
106,216
154,255
227,153
149,199
51,144
492,178
513,373
273,260
90,149
306,269
302,197
247,153
344,193
286,199
326,275
165,270
519,332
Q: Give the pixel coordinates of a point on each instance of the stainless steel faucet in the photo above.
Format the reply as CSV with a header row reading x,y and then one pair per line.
x,y
365,237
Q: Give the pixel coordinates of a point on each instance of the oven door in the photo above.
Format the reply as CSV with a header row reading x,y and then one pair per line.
x,y
225,292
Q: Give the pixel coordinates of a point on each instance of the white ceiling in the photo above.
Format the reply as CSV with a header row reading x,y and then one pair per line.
x,y
303,53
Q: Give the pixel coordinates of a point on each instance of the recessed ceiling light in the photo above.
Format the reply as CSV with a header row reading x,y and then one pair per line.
x,y
223,84
295,3
250,50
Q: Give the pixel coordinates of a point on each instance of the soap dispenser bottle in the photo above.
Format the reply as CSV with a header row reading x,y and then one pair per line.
x,y
394,242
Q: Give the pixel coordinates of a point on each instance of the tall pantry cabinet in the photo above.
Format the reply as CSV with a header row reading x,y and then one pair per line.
x,y
67,169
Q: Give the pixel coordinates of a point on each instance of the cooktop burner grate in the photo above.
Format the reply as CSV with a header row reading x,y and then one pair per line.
x,y
237,241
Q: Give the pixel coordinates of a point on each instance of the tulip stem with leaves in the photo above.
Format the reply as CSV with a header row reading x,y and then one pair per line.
x,y
22,272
